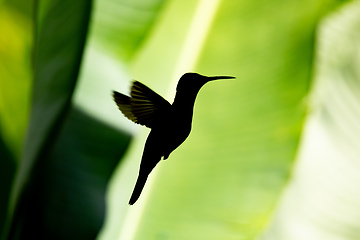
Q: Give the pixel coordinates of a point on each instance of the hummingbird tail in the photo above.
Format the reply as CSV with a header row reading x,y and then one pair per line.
x,y
140,183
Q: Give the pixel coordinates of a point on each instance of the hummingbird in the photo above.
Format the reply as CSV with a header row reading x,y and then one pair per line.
x,y
170,124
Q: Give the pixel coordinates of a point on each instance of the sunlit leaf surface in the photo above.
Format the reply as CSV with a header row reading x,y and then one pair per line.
x,y
121,26
226,179
322,199
223,182
15,77
14,92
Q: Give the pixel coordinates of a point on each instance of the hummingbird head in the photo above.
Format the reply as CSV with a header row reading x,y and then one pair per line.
x,y
194,81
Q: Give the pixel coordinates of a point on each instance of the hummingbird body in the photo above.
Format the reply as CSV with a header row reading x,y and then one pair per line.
x,y
170,124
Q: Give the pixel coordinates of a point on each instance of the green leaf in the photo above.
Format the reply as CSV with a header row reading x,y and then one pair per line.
x,y
7,171
121,26
225,179
68,200
60,185
15,76
116,34
322,199
59,45
50,189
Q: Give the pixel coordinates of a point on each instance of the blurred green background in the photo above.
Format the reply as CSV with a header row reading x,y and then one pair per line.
x,y
273,155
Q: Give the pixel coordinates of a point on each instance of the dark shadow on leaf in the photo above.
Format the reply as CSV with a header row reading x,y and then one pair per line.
x,y
68,195
7,171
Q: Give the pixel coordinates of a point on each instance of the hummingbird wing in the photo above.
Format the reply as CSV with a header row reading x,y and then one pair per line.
x,y
146,104
123,103
143,106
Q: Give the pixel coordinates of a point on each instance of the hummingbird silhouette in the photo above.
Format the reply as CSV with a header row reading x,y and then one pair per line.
x,y
170,123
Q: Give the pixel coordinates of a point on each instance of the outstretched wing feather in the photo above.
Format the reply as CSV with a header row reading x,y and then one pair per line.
x,y
146,104
143,106
123,103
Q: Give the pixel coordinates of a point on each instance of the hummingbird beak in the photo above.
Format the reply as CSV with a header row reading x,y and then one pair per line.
x,y
219,77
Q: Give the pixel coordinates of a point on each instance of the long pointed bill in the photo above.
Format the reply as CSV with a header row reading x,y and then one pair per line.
x,y
219,77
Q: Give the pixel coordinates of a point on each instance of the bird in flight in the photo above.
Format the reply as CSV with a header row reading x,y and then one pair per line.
x,y
170,124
